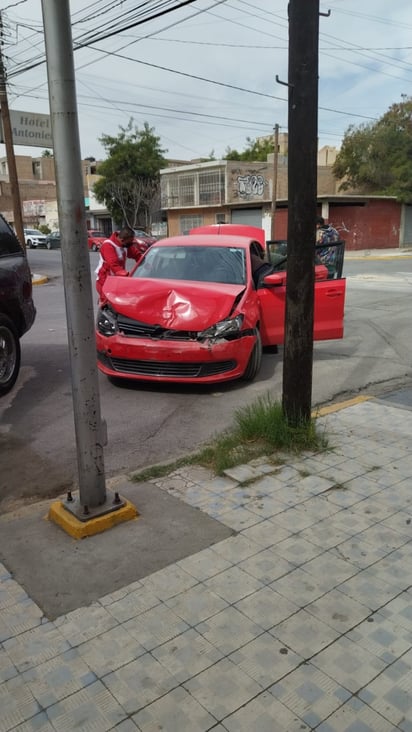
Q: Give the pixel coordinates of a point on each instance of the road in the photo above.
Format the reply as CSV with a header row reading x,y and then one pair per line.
x,y
148,424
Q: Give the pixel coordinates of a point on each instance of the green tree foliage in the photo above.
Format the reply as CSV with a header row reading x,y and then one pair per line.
x,y
131,169
376,158
257,149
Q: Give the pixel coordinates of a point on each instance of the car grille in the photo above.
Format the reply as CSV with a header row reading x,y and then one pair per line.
x,y
196,370
136,329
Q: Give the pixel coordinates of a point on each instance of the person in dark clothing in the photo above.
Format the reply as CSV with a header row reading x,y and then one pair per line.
x,y
260,268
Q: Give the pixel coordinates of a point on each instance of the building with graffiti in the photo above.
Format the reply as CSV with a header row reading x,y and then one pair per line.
x,y
239,192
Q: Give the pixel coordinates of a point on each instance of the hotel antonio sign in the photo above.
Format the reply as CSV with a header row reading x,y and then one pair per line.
x,y
33,130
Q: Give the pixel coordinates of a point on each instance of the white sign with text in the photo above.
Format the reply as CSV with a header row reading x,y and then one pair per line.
x,y
30,129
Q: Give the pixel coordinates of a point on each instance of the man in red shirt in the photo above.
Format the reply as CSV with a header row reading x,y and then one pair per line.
x,y
113,253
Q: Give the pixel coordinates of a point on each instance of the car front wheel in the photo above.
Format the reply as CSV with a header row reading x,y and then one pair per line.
x,y
255,360
28,244
9,355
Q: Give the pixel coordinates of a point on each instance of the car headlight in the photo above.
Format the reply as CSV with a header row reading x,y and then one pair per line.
x,y
229,328
106,322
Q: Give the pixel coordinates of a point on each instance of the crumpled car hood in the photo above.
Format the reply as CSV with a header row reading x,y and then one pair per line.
x,y
171,304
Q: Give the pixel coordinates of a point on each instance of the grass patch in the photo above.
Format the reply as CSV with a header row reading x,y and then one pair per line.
x,y
258,429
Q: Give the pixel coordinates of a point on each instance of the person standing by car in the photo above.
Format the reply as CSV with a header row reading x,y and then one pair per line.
x,y
326,235
113,254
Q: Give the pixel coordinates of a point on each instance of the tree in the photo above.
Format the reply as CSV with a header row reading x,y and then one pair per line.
x,y
130,174
376,158
255,150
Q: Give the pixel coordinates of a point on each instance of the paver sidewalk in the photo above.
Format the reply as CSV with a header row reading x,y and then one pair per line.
x,y
302,620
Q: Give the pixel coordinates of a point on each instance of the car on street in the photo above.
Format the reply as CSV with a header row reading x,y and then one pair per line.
x,y
53,240
34,238
142,240
95,239
254,232
17,311
199,309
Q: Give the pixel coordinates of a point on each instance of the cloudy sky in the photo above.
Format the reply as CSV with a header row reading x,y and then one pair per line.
x,y
204,75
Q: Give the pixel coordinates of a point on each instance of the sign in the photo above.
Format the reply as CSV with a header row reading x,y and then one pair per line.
x,y
33,208
33,130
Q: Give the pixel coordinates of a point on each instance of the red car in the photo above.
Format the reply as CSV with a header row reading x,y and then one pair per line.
x,y
95,239
142,240
193,311
254,232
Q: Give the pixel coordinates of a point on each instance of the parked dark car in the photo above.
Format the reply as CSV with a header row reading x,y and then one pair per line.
x,y
53,240
17,311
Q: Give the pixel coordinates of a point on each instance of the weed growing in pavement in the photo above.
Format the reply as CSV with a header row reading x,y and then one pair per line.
x,y
259,429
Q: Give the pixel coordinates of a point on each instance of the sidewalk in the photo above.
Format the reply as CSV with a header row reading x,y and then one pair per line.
x,y
301,619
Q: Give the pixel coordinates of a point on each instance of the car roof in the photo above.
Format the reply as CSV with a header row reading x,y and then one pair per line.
x,y
211,240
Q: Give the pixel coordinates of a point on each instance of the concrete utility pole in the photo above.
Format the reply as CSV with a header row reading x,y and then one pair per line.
x,y
8,142
275,179
302,194
75,258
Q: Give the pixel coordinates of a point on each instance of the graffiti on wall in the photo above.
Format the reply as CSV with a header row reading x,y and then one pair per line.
x,y
250,185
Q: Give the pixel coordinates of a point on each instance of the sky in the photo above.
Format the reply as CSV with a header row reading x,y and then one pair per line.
x,y
204,75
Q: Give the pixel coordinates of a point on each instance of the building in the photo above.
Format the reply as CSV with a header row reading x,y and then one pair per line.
x,y
37,186
223,191
38,193
226,191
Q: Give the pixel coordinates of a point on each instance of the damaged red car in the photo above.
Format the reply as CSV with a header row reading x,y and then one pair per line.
x,y
200,309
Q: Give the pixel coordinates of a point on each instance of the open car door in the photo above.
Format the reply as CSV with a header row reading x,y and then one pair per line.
x,y
329,307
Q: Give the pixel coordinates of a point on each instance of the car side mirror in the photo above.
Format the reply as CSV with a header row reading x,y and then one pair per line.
x,y
275,279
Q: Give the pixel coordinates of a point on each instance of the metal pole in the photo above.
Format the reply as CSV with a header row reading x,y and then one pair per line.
x,y
8,141
275,178
75,253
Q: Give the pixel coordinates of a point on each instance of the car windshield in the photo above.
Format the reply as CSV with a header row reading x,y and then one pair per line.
x,y
199,264
99,234
33,232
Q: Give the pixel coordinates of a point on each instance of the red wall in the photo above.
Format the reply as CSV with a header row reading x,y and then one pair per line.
x,y
373,224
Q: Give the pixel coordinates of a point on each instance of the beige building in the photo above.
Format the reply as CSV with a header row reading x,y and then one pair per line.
x,y
225,191
193,194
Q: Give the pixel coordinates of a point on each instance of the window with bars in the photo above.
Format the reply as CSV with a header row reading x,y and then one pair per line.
x,y
211,187
187,190
200,188
190,222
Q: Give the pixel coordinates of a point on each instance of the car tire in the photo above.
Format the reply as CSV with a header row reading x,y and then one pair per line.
x,y
255,360
94,248
9,355
28,244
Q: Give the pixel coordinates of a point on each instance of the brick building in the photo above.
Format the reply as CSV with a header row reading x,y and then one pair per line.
x,y
222,191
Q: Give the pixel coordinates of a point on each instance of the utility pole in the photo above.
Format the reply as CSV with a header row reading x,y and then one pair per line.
x,y
89,430
275,179
302,196
8,142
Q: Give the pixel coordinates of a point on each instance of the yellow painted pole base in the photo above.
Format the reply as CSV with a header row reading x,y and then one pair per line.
x,y
80,529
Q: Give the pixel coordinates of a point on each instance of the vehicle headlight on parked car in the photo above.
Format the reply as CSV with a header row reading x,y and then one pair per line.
x,y
106,322
229,328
